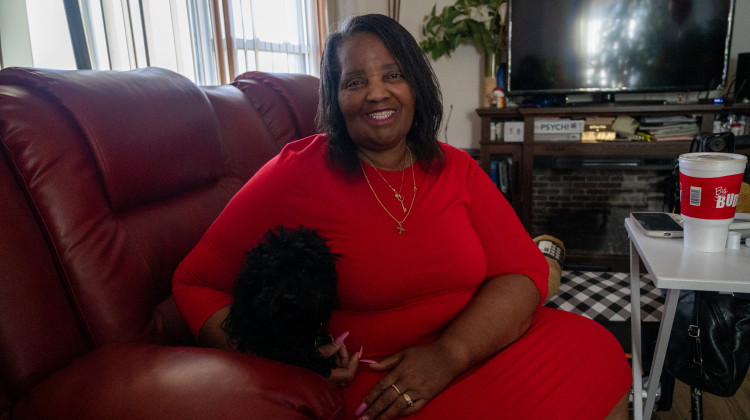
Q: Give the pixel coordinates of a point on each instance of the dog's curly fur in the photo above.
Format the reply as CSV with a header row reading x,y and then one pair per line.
x,y
283,298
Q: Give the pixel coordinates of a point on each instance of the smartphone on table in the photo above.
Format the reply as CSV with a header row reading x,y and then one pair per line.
x,y
658,224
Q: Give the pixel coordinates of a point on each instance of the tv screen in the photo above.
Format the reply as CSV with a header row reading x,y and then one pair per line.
x,y
607,46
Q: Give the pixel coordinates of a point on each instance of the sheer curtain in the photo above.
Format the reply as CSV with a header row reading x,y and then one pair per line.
x,y
279,36
209,41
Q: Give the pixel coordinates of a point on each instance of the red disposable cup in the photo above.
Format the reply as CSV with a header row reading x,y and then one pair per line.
x,y
709,189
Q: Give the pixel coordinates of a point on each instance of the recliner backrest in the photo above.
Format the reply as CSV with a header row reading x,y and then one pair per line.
x,y
108,179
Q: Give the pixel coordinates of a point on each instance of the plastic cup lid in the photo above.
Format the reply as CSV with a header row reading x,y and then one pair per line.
x,y
719,162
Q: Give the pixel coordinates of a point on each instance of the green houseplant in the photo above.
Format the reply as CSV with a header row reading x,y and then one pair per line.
x,y
478,22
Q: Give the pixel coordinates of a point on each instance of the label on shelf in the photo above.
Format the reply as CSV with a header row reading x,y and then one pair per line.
x,y
558,125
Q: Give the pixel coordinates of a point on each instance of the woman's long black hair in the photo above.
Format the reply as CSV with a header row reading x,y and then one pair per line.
x,y
428,105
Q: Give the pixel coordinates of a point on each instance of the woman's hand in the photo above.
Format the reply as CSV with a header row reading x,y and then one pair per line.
x,y
417,375
500,312
347,364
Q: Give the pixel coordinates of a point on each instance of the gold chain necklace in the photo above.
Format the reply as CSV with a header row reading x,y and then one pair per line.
x,y
396,194
400,223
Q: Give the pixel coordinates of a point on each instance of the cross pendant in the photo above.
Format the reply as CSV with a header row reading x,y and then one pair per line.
x,y
400,229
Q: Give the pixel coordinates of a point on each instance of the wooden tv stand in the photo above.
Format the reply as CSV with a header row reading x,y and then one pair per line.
x,y
523,153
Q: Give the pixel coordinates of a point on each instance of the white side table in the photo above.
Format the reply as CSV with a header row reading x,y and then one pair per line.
x,y
674,267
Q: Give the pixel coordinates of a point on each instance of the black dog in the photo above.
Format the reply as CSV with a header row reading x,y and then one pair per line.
x,y
283,298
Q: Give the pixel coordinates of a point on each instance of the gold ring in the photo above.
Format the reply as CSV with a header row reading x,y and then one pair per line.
x,y
409,402
394,387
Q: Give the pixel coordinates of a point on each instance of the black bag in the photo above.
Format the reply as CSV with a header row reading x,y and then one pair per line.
x,y
709,347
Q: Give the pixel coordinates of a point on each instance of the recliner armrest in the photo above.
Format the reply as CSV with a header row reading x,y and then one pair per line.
x,y
148,381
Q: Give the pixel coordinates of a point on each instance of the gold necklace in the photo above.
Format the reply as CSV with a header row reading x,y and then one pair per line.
x,y
400,223
396,194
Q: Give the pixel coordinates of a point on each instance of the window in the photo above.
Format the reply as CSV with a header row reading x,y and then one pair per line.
x,y
289,47
209,41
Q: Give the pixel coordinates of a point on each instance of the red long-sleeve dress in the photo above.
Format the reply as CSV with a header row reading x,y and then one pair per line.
x,y
398,290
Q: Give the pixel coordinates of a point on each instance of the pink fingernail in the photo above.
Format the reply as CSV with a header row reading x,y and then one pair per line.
x,y
340,339
369,361
361,409
361,349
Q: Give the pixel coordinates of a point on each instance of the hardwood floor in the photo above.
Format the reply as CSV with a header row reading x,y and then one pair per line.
x,y
736,407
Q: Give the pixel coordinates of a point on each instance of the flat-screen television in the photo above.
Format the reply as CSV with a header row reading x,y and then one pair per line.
x,y
610,46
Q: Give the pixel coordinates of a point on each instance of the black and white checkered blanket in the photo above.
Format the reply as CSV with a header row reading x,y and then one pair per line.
x,y
605,296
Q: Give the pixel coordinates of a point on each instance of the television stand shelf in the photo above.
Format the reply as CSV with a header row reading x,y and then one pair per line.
x,y
523,153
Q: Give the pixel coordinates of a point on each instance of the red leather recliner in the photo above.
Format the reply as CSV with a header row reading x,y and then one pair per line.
x,y
107,180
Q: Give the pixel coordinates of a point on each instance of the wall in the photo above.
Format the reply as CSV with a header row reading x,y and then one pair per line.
x,y
740,32
461,75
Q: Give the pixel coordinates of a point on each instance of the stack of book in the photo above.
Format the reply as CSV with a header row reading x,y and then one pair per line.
x,y
558,129
500,173
598,129
668,128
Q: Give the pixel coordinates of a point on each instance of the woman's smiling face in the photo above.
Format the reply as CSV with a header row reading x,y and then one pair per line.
x,y
375,99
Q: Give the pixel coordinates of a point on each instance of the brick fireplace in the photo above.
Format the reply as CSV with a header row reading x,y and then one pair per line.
x,y
585,206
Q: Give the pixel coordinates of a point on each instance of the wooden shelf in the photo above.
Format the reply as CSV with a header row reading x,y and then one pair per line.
x,y
633,148
615,110
523,153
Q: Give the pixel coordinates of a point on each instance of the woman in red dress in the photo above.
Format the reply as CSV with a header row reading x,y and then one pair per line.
x,y
438,281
